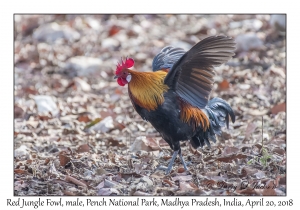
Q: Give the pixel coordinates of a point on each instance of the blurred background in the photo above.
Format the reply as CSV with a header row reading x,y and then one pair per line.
x,y
65,98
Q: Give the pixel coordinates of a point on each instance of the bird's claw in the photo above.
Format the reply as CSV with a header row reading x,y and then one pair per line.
x,y
169,168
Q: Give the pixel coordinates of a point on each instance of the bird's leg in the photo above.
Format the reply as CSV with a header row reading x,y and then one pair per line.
x,y
184,164
182,160
172,162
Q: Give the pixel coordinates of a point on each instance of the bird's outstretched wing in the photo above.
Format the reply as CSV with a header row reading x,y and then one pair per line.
x,y
166,58
192,75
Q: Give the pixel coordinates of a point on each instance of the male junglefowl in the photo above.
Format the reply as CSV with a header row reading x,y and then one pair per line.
x,y
174,97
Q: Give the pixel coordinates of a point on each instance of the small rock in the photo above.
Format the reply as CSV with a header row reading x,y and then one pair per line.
x,y
253,24
94,24
52,31
248,41
83,66
109,43
244,86
45,104
21,151
104,125
81,84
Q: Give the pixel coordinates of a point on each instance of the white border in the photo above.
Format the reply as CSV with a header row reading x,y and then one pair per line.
x,y
153,6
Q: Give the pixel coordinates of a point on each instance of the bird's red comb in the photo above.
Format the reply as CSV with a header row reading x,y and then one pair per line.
x,y
127,63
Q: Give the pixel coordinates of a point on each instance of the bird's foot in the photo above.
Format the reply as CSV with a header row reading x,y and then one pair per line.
x,y
169,168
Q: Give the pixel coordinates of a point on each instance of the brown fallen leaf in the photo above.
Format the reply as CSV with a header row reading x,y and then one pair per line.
x,y
128,175
180,170
64,159
75,181
18,112
279,151
20,171
230,158
269,188
168,182
114,30
224,85
84,118
278,108
153,143
47,161
247,171
83,148
230,150
113,142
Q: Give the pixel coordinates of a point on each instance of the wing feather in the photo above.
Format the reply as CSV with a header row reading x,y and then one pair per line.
x,y
192,75
166,58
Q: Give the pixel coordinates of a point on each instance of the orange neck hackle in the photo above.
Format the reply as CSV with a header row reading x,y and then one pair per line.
x,y
147,88
193,115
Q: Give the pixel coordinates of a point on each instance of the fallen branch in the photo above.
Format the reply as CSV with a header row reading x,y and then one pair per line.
x,y
75,181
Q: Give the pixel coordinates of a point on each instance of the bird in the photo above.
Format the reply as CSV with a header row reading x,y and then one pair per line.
x,y
174,96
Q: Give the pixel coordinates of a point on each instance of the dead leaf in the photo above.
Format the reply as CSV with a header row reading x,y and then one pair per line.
x,y
140,193
112,142
247,171
101,171
229,150
84,118
279,151
256,112
20,171
18,112
278,108
168,182
114,30
153,143
83,148
64,159
180,170
185,186
182,178
269,188
128,175
278,71
250,129
108,191
230,158
224,85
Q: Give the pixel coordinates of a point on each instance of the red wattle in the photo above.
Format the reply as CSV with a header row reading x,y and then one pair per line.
x,y
120,82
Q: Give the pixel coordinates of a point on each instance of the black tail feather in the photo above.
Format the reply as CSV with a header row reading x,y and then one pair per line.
x,y
218,112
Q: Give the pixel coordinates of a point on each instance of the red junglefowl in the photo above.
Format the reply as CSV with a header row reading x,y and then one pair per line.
x,y
174,97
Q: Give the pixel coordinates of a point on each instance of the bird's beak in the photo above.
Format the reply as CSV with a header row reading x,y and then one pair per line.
x,y
115,77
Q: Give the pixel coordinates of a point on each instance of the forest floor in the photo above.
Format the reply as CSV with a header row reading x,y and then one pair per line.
x,y
76,132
